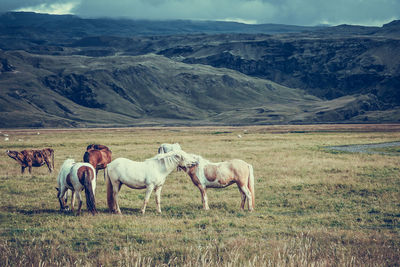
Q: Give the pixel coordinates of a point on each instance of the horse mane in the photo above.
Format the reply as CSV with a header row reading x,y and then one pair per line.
x,y
200,160
167,159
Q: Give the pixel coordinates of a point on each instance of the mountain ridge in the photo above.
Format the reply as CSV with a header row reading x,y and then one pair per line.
x,y
78,78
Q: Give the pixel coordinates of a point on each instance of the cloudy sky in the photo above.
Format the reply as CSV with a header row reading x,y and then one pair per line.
x,y
298,12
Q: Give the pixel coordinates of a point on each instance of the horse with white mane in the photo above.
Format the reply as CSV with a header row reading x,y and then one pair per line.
x,y
165,148
149,174
77,177
222,174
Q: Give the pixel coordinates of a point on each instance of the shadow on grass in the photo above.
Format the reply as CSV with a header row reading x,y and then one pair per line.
x,y
57,211
131,211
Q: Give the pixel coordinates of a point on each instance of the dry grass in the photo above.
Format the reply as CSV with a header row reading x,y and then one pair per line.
x,y
313,207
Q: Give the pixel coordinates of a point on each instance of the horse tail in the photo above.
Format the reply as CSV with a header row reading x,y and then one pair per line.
x,y
87,184
110,192
251,185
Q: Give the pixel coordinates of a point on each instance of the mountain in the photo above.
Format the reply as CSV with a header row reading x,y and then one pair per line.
x,y
65,71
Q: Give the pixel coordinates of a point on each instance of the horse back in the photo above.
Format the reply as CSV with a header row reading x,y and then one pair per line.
x,y
35,157
129,172
98,158
97,147
226,173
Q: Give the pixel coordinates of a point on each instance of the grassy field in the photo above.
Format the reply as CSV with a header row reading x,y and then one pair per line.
x,y
314,207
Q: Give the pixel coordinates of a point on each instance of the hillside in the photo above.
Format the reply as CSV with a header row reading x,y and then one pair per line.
x,y
64,71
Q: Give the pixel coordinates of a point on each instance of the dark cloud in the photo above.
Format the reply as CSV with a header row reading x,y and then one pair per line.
x,y
300,12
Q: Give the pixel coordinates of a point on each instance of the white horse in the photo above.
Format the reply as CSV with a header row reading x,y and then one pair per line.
x,y
222,174
77,177
149,174
165,148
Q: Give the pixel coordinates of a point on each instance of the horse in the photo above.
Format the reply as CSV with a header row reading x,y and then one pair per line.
x,y
206,174
149,174
33,158
77,177
99,156
165,148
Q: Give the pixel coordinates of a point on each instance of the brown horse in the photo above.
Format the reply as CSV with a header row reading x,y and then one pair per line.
x,y
222,174
33,158
98,156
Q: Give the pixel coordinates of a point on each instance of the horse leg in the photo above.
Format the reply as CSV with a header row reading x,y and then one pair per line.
x,y
243,197
158,198
116,189
65,199
247,192
22,169
204,198
150,188
61,194
72,200
29,163
48,165
79,203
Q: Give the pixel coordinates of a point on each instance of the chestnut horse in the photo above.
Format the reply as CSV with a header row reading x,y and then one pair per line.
x,y
219,175
99,156
77,177
33,158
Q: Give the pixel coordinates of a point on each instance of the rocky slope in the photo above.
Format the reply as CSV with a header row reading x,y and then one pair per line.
x,y
115,73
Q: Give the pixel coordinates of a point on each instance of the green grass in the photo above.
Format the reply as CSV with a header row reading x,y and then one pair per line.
x,y
312,207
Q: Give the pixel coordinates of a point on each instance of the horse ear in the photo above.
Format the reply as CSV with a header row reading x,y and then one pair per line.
x,y
57,189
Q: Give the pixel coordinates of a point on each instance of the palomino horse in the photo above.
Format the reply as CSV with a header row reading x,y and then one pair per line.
x,y
149,174
33,158
165,148
218,175
77,177
99,156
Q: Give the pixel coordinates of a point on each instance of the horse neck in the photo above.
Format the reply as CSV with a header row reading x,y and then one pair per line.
x,y
167,164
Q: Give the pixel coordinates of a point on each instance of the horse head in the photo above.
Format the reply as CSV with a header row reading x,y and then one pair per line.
x,y
12,154
165,148
185,160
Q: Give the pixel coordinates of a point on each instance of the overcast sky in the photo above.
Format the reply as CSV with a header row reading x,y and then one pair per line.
x,y
297,12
